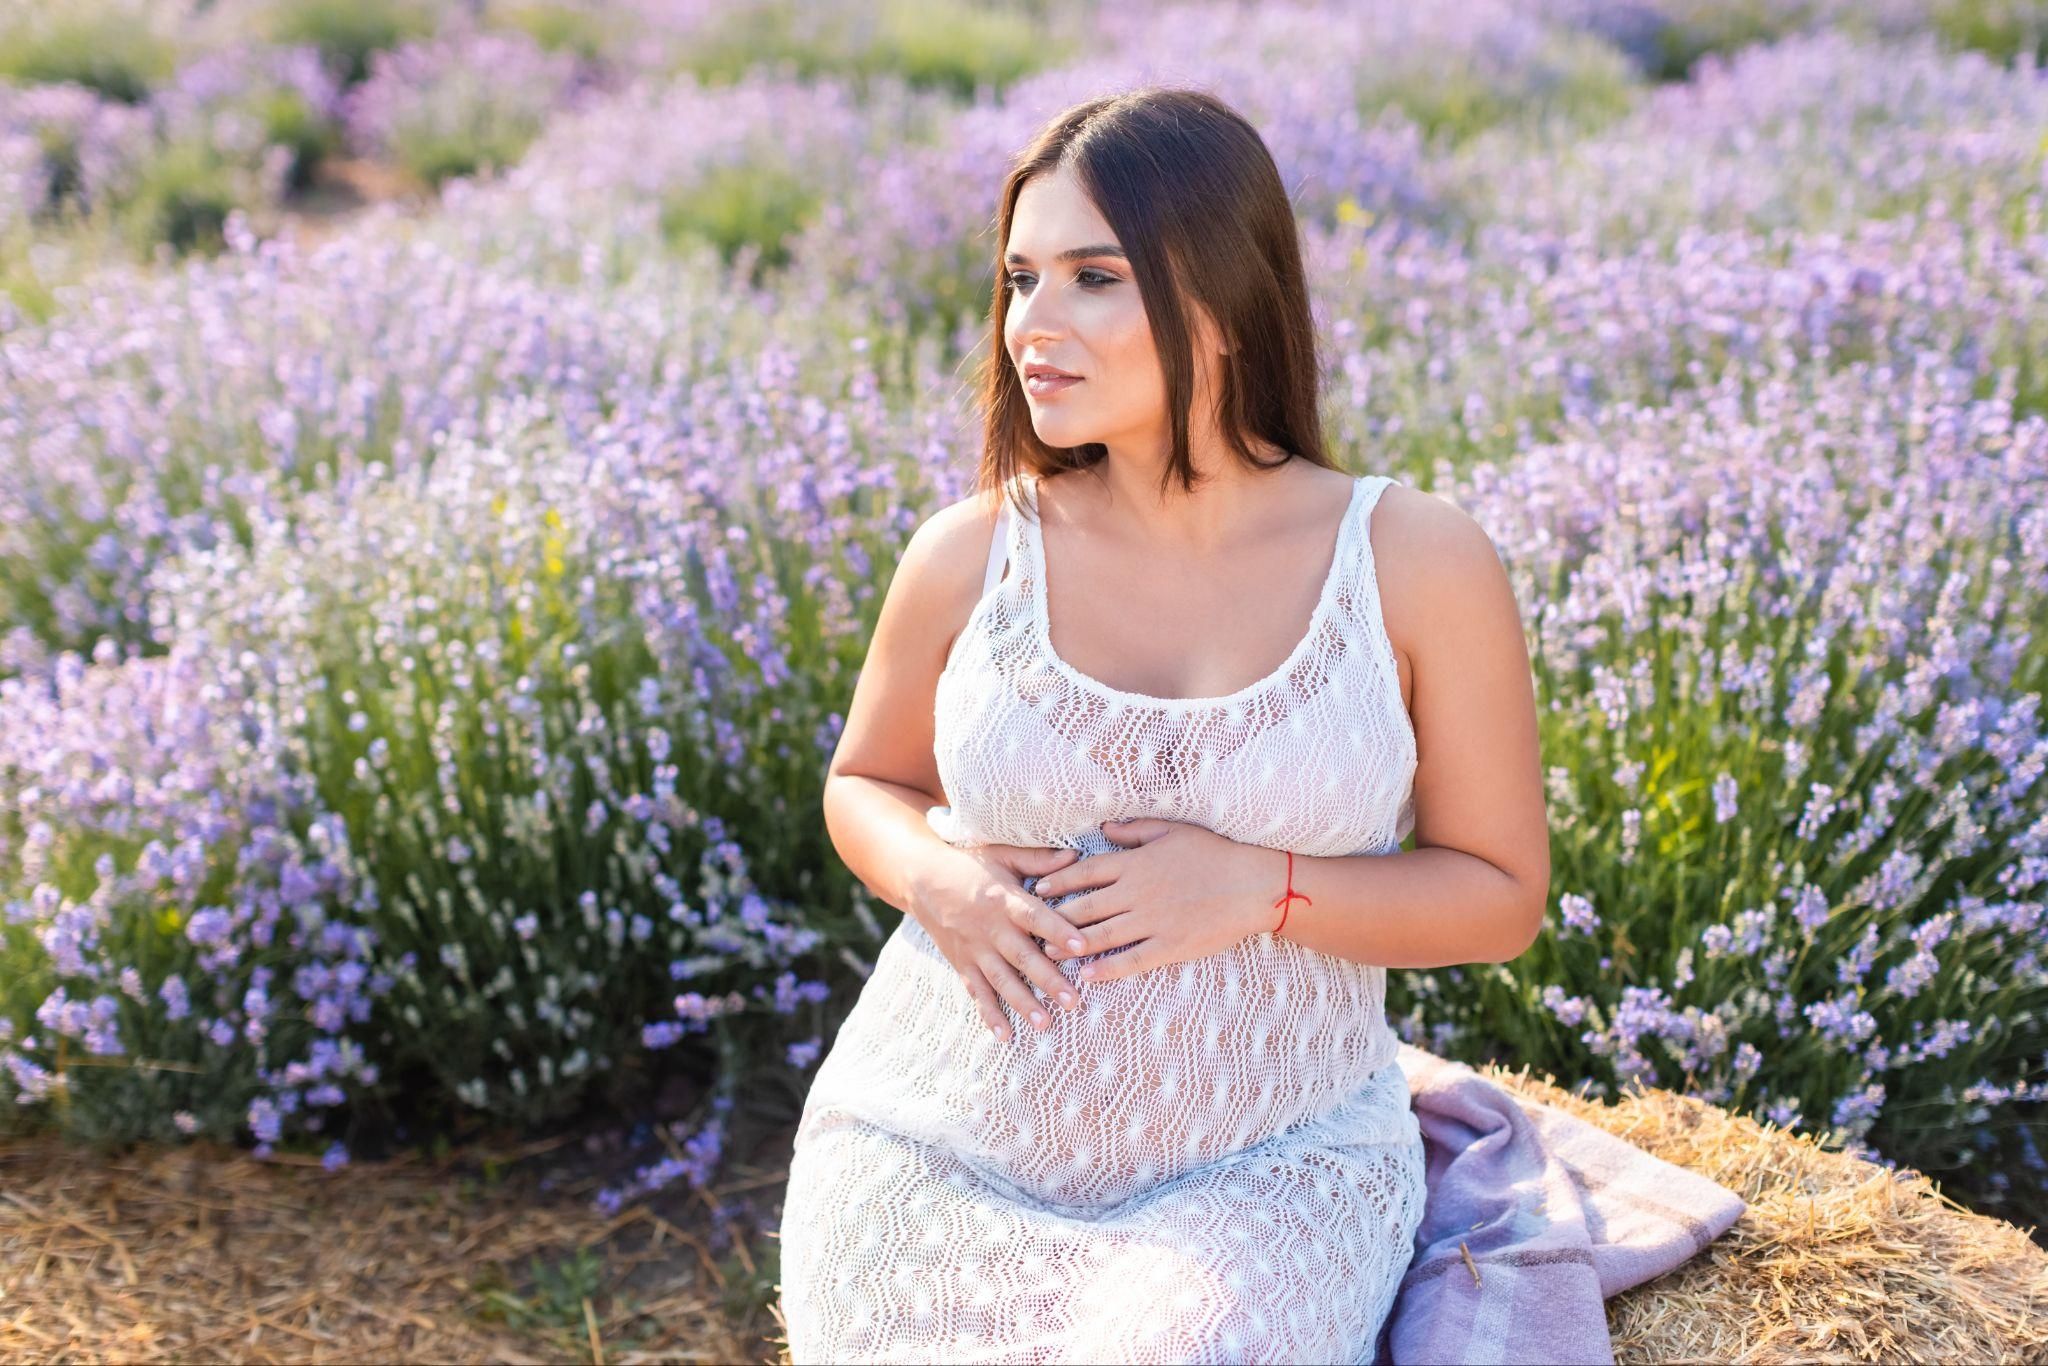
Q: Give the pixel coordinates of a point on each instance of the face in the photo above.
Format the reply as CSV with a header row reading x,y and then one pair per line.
x,y
1083,315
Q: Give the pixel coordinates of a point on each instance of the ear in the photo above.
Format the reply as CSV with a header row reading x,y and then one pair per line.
x,y
1208,336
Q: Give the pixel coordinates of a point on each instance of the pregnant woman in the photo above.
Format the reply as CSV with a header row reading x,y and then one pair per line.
x,y
1121,1086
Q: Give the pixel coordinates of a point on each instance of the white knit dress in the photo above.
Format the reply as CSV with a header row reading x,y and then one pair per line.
x,y
1208,1161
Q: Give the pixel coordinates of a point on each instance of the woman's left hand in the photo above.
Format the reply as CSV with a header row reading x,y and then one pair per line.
x,y
1175,892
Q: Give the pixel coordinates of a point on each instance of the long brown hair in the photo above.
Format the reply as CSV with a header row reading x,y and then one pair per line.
x,y
1194,198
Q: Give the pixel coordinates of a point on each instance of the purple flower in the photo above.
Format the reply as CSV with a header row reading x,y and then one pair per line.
x,y
264,1119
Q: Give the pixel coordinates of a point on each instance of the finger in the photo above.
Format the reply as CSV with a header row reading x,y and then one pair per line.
x,y
1003,975
1091,908
1038,970
986,1002
1037,860
1095,872
1034,917
1115,932
1134,959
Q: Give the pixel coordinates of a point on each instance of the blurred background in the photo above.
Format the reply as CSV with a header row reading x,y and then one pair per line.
x,y
452,456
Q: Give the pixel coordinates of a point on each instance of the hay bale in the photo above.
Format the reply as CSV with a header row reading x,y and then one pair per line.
x,y
1835,1258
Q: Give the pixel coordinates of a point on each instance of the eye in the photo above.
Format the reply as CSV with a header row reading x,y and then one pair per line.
x,y
1089,278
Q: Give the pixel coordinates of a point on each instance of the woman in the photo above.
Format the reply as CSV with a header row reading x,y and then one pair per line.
x,y
1072,761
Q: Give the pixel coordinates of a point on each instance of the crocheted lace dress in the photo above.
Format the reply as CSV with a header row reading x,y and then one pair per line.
x,y
1213,1160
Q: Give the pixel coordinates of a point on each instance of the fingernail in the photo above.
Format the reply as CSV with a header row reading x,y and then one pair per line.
x,y
1038,1017
1088,971
1066,998
1074,944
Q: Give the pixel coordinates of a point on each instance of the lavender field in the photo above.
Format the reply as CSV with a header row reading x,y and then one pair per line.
x,y
421,648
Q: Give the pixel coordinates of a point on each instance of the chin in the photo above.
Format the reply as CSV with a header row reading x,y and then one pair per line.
x,y
1048,421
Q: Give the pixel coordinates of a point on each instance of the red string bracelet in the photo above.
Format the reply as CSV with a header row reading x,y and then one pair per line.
x,y
1290,895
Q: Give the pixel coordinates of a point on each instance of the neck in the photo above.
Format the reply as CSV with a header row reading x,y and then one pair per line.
x,y
1198,521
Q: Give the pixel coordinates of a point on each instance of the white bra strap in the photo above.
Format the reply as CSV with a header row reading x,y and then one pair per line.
x,y
997,547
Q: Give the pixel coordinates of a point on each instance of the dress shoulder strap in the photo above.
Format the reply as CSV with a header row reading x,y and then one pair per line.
x,y
998,548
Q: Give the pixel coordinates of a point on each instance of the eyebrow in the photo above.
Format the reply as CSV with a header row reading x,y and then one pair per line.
x,y
1018,258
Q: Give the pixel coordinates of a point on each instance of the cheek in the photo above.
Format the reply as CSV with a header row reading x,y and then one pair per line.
x,y
1122,338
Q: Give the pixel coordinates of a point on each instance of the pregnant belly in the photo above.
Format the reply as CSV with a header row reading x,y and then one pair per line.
x,y
1149,1075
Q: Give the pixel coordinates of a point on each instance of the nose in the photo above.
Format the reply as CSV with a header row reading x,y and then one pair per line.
x,y
1034,316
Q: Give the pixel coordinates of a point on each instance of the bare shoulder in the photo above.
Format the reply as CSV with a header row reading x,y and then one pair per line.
x,y
949,553
931,593
1434,563
943,564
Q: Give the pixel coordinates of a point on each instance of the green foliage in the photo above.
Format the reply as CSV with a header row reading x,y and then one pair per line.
x,y
347,32
559,28
751,1284
1721,28
738,206
1663,891
1584,85
553,1304
463,130
435,155
61,249
183,199
1998,28
23,287
953,45
290,122
96,45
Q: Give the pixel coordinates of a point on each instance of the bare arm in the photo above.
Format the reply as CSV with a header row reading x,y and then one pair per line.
x,y
884,774
1477,884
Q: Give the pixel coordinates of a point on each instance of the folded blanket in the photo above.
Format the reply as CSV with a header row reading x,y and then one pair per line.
x,y
1556,1213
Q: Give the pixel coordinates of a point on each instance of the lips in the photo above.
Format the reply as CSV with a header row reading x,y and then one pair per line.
x,y
1042,380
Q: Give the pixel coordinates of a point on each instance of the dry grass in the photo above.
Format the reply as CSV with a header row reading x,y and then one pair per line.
x,y
203,1253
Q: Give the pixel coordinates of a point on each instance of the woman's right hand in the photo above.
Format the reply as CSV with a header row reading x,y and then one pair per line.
x,y
972,903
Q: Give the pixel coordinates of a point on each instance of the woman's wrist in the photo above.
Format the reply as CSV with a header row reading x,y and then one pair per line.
x,y
1289,894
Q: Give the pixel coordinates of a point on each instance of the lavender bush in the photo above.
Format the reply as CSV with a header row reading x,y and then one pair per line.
x,y
77,149
529,765
1668,39
234,128
181,950
1789,662
162,410
243,100
1820,133
462,102
347,33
